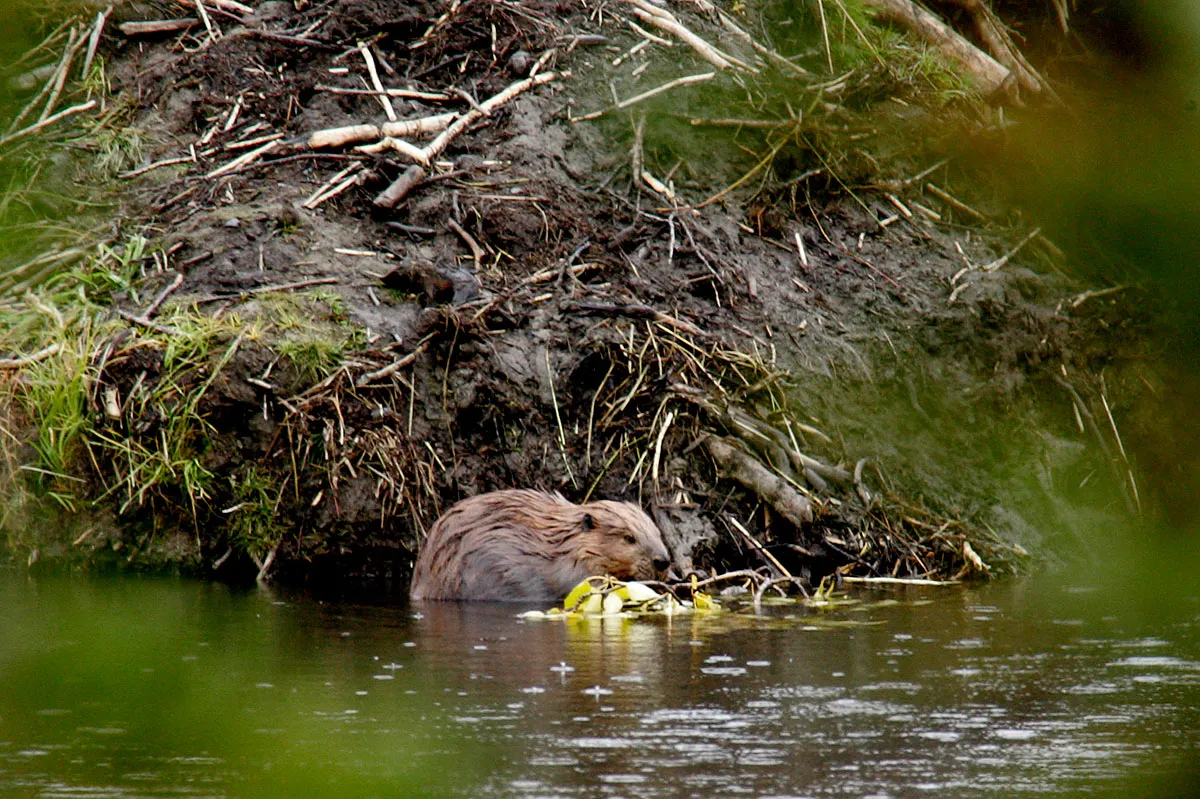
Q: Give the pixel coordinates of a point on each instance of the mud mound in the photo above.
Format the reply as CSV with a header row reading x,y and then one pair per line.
x,y
394,326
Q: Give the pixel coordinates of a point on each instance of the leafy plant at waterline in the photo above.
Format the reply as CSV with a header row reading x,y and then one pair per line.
x,y
157,436
113,269
251,529
52,393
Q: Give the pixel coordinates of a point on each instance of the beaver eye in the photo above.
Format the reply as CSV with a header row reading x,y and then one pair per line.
x,y
629,539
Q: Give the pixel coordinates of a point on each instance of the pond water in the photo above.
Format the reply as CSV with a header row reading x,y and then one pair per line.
x,y
142,687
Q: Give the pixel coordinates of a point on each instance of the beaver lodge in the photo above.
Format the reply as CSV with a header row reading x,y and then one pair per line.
x,y
741,265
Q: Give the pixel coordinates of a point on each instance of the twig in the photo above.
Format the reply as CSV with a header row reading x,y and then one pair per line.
x,y
639,311
247,158
825,35
401,186
329,192
661,18
658,442
435,148
166,330
60,75
233,295
761,549
955,202
393,367
1003,259
897,581
151,27
1080,299
746,470
405,93
152,308
477,252
214,32
1099,436
25,360
48,121
687,80
989,74
741,574
265,566
384,100
94,40
231,6
562,435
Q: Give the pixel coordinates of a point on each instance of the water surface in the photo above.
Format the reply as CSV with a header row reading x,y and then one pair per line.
x,y
152,687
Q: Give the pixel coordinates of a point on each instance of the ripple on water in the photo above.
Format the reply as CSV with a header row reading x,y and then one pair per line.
x,y
723,671
628,678
1149,662
598,742
967,643
850,706
697,715
622,779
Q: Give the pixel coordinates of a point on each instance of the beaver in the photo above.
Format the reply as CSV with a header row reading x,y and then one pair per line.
x,y
523,545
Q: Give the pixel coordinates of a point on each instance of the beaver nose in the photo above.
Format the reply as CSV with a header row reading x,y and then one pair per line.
x,y
661,564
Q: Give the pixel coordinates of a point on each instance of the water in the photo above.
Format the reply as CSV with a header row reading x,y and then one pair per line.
x,y
138,687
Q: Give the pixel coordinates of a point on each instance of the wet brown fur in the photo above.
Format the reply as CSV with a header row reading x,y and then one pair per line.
x,y
523,545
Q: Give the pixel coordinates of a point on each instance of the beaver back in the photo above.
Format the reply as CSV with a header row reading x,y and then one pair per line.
x,y
522,545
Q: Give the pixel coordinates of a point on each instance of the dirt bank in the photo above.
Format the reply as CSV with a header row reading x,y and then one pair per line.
x,y
848,371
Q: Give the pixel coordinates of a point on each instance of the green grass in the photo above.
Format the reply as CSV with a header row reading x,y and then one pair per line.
x,y
144,444
252,528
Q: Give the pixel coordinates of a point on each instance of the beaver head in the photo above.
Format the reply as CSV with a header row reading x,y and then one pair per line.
x,y
618,538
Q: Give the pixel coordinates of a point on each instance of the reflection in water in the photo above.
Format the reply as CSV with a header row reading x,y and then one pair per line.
x,y
134,687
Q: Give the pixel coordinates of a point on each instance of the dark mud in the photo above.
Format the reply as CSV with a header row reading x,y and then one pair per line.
x,y
596,337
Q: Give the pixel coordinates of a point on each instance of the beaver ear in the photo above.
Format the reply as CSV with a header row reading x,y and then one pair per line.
x,y
588,522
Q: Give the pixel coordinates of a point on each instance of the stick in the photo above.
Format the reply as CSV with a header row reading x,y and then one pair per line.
x,y
987,71
954,201
152,308
266,565
94,40
405,93
409,180
477,252
60,75
231,6
897,581
435,148
48,121
1003,259
667,21
25,360
393,367
318,196
687,80
250,157
349,134
662,433
328,193
153,26
384,100
155,326
214,32
753,475
233,295
639,311
761,549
